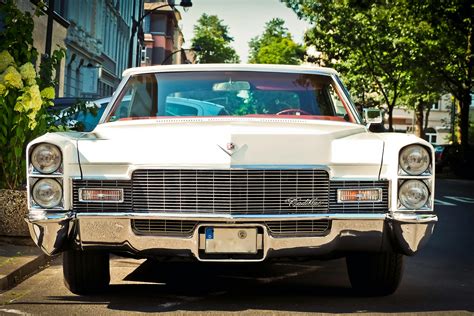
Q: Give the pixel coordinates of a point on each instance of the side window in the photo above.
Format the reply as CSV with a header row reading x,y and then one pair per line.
x,y
138,100
176,109
339,108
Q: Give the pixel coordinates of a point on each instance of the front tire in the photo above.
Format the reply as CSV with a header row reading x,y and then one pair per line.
x,y
86,272
375,274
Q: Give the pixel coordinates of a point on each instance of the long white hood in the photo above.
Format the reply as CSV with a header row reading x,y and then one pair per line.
x,y
116,149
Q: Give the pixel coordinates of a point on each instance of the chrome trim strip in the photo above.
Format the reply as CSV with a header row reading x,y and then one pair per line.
x,y
42,215
338,179
280,167
228,217
413,218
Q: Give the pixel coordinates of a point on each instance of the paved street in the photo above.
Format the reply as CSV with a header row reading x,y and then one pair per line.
x,y
440,279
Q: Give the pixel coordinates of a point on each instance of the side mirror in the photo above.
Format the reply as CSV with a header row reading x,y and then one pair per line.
x,y
374,120
373,116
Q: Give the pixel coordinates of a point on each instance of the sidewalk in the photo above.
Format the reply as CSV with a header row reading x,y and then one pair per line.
x,y
19,258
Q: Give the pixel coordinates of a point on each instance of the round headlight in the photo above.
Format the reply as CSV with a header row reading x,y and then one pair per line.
x,y
414,159
47,193
46,158
413,194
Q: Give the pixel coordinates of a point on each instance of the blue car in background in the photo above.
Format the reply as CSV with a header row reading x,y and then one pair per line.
x,y
84,120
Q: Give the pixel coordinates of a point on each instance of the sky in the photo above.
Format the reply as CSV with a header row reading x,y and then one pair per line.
x,y
245,19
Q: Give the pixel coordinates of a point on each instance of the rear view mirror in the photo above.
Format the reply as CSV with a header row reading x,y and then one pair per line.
x,y
231,86
373,116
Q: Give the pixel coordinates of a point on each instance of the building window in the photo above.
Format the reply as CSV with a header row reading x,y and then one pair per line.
x,y
143,55
146,24
431,138
435,106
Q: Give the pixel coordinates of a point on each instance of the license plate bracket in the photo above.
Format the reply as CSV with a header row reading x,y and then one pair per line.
x,y
230,240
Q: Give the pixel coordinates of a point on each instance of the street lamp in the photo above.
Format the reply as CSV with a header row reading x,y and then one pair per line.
x,y
136,24
182,50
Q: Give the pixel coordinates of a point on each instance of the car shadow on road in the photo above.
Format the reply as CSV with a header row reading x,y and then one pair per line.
x,y
315,286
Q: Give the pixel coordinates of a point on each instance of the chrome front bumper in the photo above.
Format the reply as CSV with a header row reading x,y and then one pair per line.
x,y
405,233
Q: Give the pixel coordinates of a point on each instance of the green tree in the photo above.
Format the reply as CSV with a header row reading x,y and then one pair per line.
x,y
446,45
24,97
275,46
213,39
363,41
408,49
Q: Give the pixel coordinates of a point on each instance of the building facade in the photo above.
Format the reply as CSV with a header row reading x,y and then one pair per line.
x,y
163,38
439,129
97,44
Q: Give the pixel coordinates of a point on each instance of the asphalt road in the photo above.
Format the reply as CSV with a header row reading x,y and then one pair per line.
x,y
438,280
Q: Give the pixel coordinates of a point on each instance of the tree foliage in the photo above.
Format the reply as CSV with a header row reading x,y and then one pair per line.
x,y
213,39
365,42
406,51
275,46
24,96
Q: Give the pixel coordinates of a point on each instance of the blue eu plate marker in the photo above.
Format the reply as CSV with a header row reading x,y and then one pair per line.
x,y
209,233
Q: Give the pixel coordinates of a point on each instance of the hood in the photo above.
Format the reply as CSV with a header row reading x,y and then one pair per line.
x,y
229,143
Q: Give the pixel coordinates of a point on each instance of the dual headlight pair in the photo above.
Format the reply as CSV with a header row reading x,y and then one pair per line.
x,y
46,159
415,160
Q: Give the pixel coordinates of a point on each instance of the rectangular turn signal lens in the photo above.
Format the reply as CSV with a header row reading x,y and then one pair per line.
x,y
101,195
359,195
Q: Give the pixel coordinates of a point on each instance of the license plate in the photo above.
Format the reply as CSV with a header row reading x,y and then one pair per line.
x,y
230,240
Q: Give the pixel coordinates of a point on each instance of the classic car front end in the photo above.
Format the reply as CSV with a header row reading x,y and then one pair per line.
x,y
231,163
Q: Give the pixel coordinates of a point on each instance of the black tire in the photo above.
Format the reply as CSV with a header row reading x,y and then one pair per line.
x,y
86,272
375,274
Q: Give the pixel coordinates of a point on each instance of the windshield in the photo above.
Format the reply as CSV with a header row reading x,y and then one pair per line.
x,y
228,93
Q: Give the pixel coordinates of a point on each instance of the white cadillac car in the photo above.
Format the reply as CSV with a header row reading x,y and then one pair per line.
x,y
231,163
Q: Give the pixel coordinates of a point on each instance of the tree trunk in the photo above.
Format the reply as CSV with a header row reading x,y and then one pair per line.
x,y
465,103
419,119
426,119
390,118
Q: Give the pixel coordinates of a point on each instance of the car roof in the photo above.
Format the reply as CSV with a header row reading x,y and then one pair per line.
x,y
231,67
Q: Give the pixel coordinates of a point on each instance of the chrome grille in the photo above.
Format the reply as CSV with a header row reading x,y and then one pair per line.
x,y
230,191
163,227
126,206
298,228
358,207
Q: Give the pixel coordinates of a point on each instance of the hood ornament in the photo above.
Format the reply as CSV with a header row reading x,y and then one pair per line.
x,y
229,148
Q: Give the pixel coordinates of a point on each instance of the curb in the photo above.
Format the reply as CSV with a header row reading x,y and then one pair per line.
x,y
20,274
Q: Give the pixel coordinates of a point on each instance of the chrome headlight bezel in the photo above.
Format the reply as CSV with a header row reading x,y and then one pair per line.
x,y
56,202
422,156
424,204
54,153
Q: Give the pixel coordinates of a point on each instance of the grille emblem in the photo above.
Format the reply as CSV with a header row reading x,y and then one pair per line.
x,y
300,202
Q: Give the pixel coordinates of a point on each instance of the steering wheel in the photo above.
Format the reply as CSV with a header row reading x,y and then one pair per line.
x,y
293,112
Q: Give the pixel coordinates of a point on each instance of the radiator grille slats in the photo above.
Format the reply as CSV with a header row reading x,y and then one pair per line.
x,y
185,228
229,191
242,192
298,228
163,227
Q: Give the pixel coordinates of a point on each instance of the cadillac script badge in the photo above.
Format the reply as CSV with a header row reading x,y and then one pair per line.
x,y
300,202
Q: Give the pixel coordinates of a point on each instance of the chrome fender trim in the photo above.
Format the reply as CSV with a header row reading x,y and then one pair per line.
x,y
411,232
50,232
